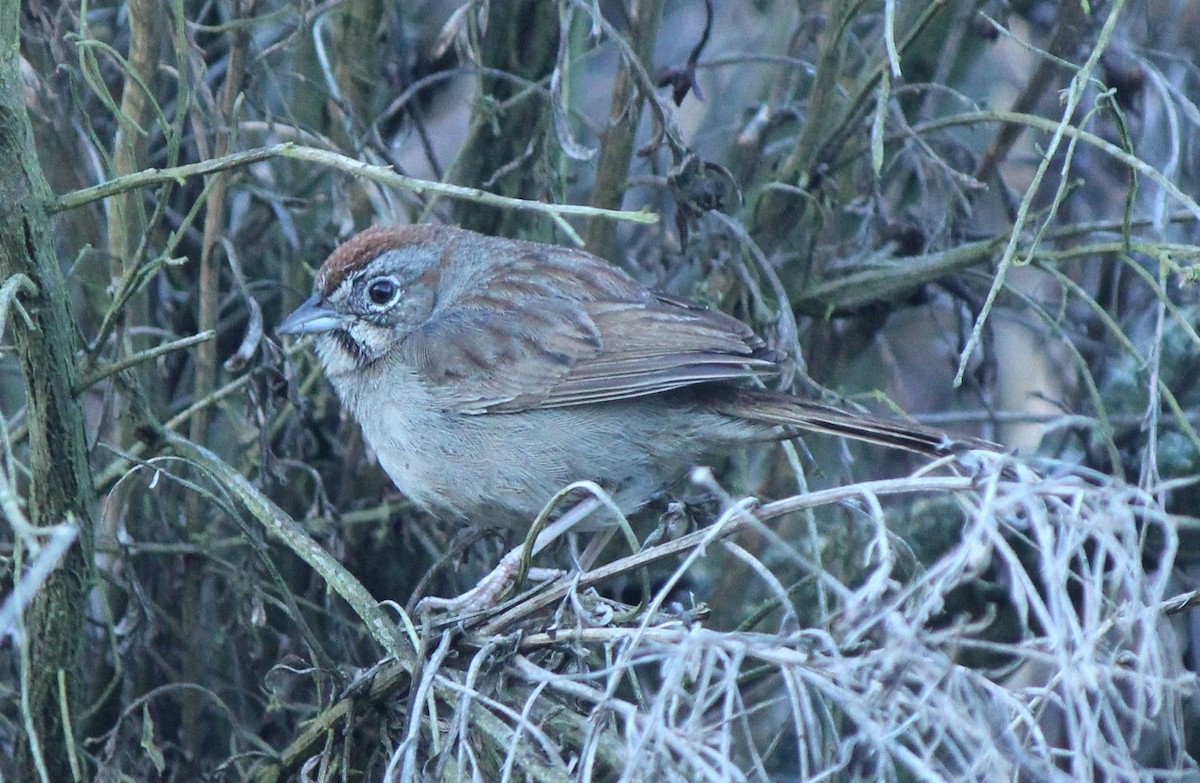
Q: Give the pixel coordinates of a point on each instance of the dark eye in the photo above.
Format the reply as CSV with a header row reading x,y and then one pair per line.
x,y
382,291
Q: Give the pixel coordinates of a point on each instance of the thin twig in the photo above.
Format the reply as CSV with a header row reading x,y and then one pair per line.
x,y
381,174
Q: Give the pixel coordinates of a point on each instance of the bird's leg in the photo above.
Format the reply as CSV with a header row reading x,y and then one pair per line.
x,y
487,591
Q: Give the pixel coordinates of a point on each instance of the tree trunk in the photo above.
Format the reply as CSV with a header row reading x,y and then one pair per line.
x,y
60,483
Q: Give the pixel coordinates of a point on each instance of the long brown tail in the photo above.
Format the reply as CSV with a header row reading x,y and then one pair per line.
x,y
785,410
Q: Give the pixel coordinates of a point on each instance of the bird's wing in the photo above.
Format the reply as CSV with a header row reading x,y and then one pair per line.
x,y
550,351
648,348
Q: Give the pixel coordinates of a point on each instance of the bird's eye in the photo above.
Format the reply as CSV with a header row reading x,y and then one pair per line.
x,y
382,291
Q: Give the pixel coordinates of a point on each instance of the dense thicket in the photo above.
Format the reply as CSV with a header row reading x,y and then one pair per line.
x,y
981,214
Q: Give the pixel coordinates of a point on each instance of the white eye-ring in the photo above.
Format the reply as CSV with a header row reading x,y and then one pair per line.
x,y
382,290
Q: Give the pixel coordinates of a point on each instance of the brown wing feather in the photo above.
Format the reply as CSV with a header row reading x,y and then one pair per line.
x,y
653,348
607,339
478,360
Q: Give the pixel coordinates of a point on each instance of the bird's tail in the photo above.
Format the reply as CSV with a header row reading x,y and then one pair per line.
x,y
792,413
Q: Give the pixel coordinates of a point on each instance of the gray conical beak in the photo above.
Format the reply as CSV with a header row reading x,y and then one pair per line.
x,y
312,317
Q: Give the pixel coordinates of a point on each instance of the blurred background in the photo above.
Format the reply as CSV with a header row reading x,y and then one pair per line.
x,y
977,214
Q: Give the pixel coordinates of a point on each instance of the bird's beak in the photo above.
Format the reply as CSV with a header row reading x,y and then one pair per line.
x,y
312,317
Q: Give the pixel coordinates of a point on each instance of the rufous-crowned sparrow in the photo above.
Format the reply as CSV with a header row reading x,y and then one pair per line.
x,y
489,373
